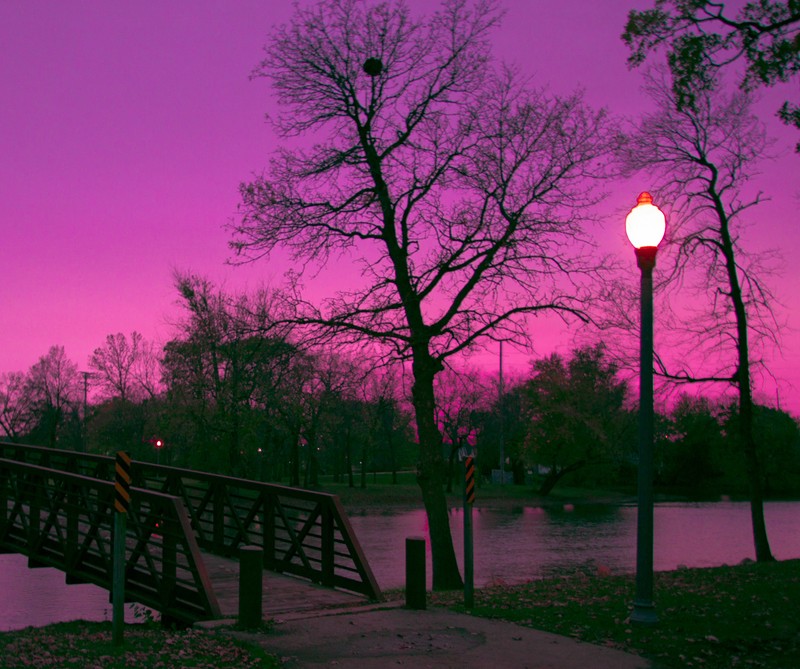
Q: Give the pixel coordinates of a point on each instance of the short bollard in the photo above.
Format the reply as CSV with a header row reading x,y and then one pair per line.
x,y
251,569
415,573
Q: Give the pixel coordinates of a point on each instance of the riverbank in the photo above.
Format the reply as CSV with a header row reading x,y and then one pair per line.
x,y
383,495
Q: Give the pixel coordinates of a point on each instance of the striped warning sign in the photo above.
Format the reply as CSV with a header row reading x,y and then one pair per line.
x,y
122,482
469,487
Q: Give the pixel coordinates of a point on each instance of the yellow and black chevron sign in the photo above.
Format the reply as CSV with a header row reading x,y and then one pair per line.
x,y
122,483
469,489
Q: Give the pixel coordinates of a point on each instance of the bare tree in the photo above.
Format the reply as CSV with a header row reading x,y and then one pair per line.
x,y
460,395
16,409
113,364
146,369
222,365
53,389
703,157
457,190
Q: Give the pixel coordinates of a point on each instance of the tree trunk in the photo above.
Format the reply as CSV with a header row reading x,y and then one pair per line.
x,y
363,466
392,459
295,471
746,437
349,459
760,538
555,475
430,476
430,473
451,468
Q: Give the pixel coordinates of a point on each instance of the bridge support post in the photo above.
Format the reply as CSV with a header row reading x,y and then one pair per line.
x,y
219,518
328,547
34,513
415,573
251,569
118,579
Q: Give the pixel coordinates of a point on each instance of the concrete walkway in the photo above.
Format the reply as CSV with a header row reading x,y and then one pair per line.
x,y
381,638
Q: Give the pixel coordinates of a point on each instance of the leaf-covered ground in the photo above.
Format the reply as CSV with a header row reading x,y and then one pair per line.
x,y
83,645
723,618
745,616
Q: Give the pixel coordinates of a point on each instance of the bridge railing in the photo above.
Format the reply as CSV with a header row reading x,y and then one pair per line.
x,y
64,520
302,532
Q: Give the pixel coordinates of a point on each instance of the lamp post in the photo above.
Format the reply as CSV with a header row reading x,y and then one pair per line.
x,y
645,226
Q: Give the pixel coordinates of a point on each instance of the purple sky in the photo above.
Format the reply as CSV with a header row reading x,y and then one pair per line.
x,y
125,129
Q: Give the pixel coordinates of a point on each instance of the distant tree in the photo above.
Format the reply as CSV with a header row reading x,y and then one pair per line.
x,y
146,370
53,388
119,424
702,157
701,37
576,414
220,368
779,438
461,395
503,419
113,365
387,421
695,439
456,189
16,407
329,390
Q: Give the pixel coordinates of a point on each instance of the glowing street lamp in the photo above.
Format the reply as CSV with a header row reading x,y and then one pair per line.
x,y
158,444
645,226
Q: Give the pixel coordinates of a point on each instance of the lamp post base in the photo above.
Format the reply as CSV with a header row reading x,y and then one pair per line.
x,y
644,614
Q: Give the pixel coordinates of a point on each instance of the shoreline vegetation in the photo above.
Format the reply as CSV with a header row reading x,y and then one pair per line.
x,y
717,618
380,495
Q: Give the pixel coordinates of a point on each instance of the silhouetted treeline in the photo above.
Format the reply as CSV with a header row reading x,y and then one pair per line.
x,y
228,399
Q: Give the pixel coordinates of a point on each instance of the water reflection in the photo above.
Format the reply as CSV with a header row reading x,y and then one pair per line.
x,y
37,597
513,546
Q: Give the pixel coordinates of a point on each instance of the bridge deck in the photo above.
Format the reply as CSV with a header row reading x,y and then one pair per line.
x,y
281,594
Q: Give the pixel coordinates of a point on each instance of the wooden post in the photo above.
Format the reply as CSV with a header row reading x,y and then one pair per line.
x,y
415,573
328,545
469,499
71,556
219,516
118,579
5,493
122,501
251,561
268,525
34,513
169,557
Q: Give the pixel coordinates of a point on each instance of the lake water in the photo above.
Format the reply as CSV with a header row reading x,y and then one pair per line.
x,y
531,542
511,546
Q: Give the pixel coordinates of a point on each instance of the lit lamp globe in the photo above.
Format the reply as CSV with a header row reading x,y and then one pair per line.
x,y
645,226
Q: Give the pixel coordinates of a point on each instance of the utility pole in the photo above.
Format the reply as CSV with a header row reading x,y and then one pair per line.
x,y
84,430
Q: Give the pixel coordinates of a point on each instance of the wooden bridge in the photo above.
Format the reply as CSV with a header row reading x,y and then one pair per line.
x,y
184,529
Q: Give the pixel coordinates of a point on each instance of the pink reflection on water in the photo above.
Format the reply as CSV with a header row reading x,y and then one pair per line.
x,y
38,597
533,542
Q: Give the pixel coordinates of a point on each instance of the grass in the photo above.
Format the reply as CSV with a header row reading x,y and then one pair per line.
x,y
84,645
720,618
